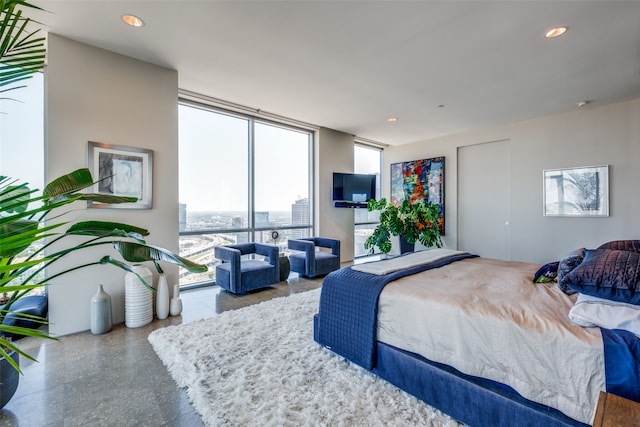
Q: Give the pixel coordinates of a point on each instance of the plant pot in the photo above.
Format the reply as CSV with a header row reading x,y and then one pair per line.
x,y
9,378
406,246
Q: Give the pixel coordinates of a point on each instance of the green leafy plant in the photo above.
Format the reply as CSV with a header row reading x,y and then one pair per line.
x,y
417,221
31,238
22,51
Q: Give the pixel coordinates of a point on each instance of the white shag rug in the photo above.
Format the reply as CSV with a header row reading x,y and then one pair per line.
x,y
259,366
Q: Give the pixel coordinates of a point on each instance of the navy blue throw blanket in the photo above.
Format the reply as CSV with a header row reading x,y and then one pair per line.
x,y
349,301
622,363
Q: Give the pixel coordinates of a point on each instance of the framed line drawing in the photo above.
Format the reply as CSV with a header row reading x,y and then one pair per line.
x,y
121,171
420,180
577,192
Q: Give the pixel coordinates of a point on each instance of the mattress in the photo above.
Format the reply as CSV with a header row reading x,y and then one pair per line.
x,y
487,318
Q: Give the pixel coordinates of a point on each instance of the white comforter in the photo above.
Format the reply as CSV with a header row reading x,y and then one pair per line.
x,y
487,318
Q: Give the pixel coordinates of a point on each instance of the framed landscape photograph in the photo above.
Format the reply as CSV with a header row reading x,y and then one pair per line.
x,y
577,192
420,180
121,171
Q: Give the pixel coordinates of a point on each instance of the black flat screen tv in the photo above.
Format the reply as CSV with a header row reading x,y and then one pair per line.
x,y
353,187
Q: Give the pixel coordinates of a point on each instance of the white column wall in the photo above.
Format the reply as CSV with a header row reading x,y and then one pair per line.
x,y
333,153
96,95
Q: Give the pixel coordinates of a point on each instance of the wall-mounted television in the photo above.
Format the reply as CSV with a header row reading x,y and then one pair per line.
x,y
355,190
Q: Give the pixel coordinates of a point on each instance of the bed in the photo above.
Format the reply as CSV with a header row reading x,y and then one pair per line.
x,y
480,340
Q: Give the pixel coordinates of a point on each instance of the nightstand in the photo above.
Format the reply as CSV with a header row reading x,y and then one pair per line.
x,y
616,411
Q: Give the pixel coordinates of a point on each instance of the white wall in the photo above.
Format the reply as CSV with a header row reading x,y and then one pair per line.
x,y
591,136
96,95
333,153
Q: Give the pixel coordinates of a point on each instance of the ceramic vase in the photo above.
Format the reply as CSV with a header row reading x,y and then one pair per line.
x,y
175,307
101,317
138,299
162,298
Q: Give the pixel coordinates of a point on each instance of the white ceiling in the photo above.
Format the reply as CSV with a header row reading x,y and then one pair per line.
x,y
350,65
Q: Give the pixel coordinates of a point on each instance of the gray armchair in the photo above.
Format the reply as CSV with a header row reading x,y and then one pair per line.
x,y
239,275
311,262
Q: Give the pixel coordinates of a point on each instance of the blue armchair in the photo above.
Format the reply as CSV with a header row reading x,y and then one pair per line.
x,y
238,274
311,262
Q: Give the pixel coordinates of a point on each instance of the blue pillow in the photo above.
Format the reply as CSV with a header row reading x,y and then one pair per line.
x,y
623,245
546,273
566,265
608,273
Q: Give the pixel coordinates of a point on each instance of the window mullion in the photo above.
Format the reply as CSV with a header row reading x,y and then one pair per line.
x,y
252,164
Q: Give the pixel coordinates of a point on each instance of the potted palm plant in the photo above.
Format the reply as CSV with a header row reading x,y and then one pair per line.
x,y
31,223
22,51
28,234
412,222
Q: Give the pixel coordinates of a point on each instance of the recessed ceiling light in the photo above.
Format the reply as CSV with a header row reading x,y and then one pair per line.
x,y
133,20
556,32
392,119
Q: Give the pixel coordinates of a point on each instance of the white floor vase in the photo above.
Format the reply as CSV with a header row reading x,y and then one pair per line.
x,y
138,299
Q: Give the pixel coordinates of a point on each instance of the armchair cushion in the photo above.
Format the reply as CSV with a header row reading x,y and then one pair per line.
x,y
238,275
311,262
33,305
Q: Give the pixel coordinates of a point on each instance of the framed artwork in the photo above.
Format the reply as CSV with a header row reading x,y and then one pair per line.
x,y
577,192
121,171
419,180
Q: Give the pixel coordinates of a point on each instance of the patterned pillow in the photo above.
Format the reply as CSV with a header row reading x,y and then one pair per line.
x,y
566,265
623,245
608,274
546,273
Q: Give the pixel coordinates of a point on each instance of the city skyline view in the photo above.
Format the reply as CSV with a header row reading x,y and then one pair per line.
x,y
217,228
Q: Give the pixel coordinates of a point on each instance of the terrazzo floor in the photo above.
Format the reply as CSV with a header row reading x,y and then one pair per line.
x,y
116,379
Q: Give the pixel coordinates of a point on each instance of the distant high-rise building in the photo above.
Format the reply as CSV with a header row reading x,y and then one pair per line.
x,y
238,222
262,219
300,215
361,215
182,216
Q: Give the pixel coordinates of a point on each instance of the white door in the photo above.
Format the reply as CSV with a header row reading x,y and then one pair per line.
x,y
484,199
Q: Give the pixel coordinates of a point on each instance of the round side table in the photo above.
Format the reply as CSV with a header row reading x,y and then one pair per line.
x,y
285,267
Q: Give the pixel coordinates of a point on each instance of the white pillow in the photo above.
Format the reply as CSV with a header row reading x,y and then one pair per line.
x,y
590,311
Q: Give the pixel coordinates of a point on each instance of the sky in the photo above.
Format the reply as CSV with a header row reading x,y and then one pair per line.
x,y
22,133
212,178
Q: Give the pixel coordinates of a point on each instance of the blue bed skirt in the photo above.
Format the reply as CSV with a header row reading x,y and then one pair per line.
x,y
470,400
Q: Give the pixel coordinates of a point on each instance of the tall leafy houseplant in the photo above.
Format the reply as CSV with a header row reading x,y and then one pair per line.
x,y
27,242
414,222
22,51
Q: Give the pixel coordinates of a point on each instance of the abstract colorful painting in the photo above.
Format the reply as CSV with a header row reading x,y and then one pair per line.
x,y
419,180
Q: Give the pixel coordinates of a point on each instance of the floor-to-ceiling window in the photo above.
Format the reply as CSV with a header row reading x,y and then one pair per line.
x,y
22,132
22,141
241,179
367,160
